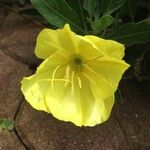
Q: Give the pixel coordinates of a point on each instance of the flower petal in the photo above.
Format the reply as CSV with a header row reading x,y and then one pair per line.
x,y
69,40
35,91
101,111
94,110
59,101
81,108
99,85
56,59
110,69
88,50
65,105
49,41
108,47
37,88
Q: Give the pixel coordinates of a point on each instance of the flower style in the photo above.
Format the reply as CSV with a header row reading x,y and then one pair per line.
x,y
78,78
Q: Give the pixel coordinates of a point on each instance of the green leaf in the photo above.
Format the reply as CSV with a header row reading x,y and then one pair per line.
x,y
6,124
77,5
132,6
109,6
132,33
97,12
58,13
90,6
102,23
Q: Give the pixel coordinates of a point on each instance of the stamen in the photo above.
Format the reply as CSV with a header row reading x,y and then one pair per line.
x,y
79,81
53,78
88,77
72,83
65,80
63,55
67,74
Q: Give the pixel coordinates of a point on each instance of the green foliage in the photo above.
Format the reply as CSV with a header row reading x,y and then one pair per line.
x,y
102,23
6,124
97,12
131,8
58,12
78,8
90,6
110,6
133,33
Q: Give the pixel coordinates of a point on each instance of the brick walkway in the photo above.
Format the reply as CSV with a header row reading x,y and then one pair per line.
x,y
127,128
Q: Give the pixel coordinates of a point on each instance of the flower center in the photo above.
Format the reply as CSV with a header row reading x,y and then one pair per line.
x,y
76,62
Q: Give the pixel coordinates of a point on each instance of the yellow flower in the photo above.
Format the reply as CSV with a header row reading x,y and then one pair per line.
x,y
78,78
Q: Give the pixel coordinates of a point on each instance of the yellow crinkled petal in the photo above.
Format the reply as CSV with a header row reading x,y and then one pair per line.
x,y
49,41
108,47
76,44
35,87
101,111
69,40
110,69
98,83
65,105
35,90
59,101
56,59
88,50
81,108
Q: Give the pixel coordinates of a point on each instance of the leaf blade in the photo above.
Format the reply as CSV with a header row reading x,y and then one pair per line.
x,y
132,8
58,13
90,6
109,6
132,33
102,23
